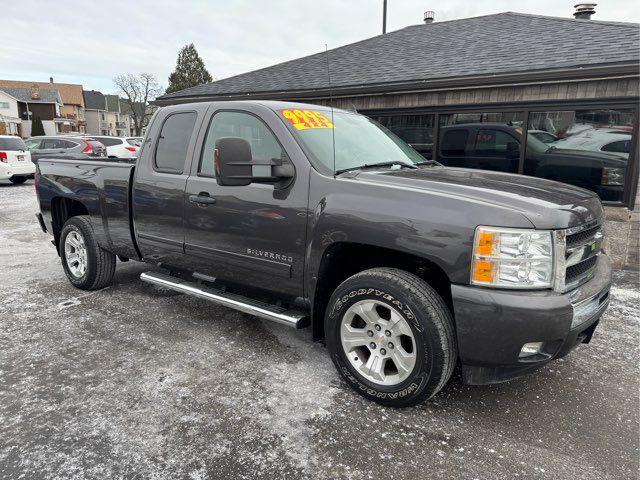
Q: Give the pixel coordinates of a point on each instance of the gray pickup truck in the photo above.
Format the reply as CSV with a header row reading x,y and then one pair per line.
x,y
317,218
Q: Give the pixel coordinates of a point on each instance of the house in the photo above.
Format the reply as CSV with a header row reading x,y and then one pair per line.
x,y
117,127
36,102
127,115
9,115
71,115
95,112
532,73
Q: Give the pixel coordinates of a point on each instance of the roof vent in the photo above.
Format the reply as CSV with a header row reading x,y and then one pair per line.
x,y
428,16
584,10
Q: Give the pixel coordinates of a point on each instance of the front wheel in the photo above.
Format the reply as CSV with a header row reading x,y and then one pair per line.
x,y
18,180
391,336
86,264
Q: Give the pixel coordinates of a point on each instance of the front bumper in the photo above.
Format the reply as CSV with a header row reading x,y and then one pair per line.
x,y
24,169
493,325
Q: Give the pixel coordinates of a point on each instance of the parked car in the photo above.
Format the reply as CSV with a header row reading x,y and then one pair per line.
x,y
46,146
118,147
496,146
311,217
137,141
544,137
15,160
615,141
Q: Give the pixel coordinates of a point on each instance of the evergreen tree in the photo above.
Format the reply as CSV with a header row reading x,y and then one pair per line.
x,y
36,127
190,70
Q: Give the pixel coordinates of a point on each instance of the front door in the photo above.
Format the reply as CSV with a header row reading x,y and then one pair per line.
x,y
254,234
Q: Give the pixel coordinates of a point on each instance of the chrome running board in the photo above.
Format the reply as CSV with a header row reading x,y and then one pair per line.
x,y
292,318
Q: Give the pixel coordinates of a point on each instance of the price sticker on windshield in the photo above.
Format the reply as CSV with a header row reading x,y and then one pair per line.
x,y
306,119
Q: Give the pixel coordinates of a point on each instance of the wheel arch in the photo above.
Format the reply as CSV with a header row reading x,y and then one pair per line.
x,y
343,259
62,209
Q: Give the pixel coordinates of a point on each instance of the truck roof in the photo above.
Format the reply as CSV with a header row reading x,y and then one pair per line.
x,y
271,104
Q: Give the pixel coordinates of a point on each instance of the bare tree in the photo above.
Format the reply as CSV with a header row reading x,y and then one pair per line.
x,y
136,91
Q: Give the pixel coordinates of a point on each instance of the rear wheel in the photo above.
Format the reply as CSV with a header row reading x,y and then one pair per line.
x,y
391,336
18,180
86,264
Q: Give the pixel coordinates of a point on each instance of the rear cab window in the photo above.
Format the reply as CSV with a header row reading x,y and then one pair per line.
x,y
173,142
12,144
454,143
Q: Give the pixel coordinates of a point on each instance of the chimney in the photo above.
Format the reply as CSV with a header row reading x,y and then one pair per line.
x,y
35,92
50,79
584,10
428,16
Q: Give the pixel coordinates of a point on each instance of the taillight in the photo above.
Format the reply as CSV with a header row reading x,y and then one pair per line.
x,y
87,148
131,149
3,157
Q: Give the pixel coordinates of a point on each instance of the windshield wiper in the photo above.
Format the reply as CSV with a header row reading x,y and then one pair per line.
x,y
429,162
375,165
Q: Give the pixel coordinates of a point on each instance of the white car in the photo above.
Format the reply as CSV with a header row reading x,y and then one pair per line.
x,y
617,142
15,160
119,147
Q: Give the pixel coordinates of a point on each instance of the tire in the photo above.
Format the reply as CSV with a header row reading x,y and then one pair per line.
x,y
418,320
99,265
18,180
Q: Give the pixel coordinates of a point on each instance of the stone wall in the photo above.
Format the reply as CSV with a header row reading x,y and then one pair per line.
x,y
622,234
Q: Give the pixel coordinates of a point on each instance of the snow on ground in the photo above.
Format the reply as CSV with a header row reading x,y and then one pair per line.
x,y
136,382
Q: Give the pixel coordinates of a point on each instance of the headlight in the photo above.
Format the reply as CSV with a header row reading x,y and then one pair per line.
x,y
510,258
612,176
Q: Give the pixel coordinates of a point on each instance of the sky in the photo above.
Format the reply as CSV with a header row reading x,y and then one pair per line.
x,y
89,42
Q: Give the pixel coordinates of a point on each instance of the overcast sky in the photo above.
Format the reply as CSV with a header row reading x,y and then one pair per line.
x,y
89,42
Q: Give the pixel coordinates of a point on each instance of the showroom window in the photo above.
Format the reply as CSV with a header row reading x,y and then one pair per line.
x,y
487,141
587,148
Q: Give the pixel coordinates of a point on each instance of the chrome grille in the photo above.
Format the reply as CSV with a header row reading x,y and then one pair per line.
x,y
581,247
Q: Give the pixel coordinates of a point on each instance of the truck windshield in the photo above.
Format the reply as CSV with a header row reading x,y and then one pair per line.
x,y
359,141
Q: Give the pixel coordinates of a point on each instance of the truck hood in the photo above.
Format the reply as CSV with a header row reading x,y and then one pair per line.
x,y
545,203
606,159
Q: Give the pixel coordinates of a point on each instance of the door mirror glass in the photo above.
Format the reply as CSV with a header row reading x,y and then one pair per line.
x,y
232,161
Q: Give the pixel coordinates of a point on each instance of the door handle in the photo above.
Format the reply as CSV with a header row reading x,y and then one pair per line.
x,y
202,198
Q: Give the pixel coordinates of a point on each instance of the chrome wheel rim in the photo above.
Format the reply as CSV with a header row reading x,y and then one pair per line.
x,y
378,342
75,254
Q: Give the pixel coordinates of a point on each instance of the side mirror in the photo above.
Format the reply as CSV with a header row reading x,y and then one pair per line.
x,y
233,165
232,161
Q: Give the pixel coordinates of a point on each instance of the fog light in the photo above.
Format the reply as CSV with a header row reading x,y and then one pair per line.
x,y
530,349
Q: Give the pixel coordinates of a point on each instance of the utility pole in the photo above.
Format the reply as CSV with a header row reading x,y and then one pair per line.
x,y
384,17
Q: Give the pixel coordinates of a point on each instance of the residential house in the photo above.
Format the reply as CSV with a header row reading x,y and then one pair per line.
x,y
127,115
95,112
71,115
9,115
117,127
36,102
533,73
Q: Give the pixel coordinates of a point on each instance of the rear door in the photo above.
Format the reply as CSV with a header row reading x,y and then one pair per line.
x,y
160,178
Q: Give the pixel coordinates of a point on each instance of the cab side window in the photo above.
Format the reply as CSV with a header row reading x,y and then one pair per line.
x,y
264,145
171,152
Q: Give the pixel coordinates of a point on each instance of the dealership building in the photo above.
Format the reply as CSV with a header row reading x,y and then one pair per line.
x,y
527,94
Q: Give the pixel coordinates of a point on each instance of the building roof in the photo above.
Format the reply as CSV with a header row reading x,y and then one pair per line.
x,y
94,100
45,95
500,45
70,93
113,103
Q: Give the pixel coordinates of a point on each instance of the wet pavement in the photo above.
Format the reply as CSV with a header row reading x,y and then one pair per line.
x,y
135,382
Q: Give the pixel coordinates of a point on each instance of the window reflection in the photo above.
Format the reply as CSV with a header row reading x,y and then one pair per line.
x,y
591,148
417,130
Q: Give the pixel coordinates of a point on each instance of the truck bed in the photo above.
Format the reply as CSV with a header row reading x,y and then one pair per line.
x,y
102,187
